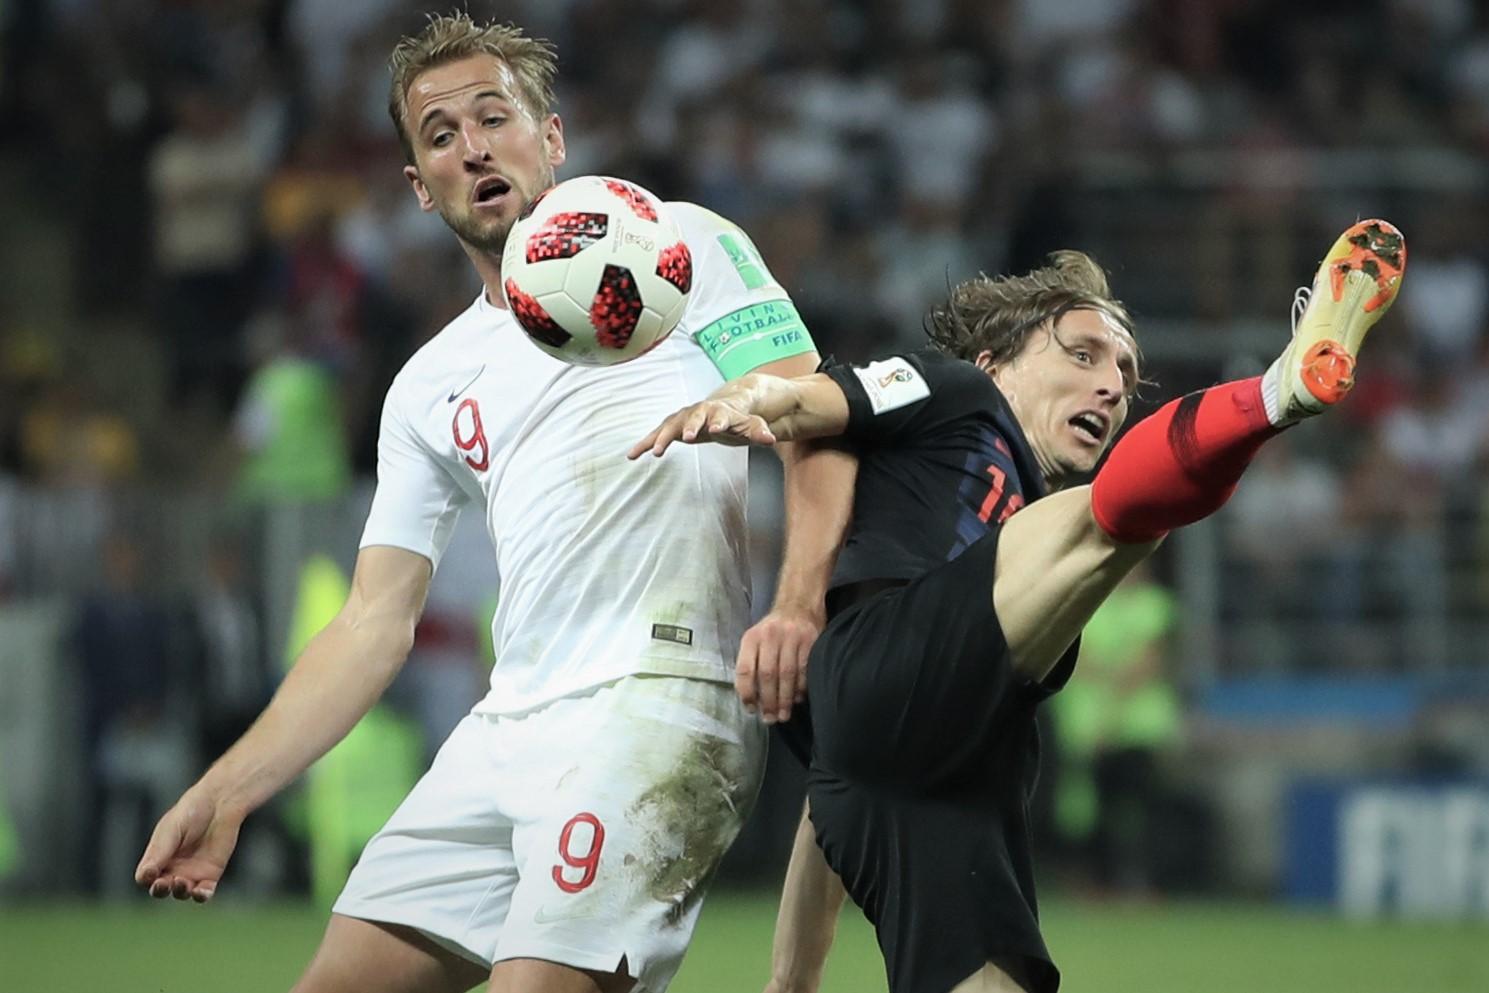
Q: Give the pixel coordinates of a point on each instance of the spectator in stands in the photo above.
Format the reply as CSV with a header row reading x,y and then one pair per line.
x,y
137,737
1281,529
289,426
204,180
1114,733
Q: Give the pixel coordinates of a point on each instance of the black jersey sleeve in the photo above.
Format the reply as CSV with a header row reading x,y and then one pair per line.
x,y
903,396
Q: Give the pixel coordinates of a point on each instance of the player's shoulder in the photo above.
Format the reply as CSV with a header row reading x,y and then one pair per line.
x,y
951,370
447,350
929,357
705,230
696,219
934,365
945,388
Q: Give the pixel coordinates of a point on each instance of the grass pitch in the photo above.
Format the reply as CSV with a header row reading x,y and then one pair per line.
x,y
1168,948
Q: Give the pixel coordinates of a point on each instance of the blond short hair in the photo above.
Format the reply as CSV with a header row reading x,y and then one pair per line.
x,y
998,313
451,37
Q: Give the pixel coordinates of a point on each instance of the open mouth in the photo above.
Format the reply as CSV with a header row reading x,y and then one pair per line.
x,y
490,190
1089,426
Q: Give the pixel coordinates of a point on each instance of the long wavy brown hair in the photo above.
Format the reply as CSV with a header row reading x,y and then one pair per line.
x,y
997,314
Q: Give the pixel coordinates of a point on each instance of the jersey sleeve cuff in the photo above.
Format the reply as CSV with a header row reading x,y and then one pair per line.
x,y
419,545
860,411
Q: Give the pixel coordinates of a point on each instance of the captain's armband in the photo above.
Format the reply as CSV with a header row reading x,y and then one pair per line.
x,y
753,336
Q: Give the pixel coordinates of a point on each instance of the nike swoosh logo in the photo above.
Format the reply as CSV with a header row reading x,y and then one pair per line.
x,y
542,916
454,394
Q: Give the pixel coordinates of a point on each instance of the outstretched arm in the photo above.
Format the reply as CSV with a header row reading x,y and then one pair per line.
x,y
335,681
761,409
808,919
771,670
756,409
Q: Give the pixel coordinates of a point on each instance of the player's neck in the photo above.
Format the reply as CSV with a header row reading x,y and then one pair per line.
x,y
489,267
1056,477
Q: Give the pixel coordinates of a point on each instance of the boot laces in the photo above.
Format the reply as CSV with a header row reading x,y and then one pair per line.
x,y
1301,296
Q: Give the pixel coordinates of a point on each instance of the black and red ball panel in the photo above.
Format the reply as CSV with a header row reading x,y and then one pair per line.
x,y
638,201
675,265
534,319
565,235
616,308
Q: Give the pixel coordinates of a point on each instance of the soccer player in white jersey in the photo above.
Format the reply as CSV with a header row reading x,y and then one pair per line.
x,y
564,836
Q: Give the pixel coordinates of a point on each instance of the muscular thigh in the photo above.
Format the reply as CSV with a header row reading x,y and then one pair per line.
x,y
538,976
357,956
989,979
1054,568
912,685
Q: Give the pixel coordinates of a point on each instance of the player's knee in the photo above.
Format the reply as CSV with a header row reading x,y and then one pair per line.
x,y
1065,522
1085,521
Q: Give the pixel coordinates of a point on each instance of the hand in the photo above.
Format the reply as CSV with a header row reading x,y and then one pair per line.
x,y
189,850
771,670
718,421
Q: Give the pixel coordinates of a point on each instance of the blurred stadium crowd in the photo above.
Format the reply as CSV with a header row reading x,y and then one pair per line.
x,y
227,187
212,267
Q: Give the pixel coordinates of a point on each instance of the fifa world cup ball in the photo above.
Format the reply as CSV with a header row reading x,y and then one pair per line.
x,y
595,271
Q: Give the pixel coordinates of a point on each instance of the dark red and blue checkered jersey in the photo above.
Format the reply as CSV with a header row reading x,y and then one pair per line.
x,y
941,462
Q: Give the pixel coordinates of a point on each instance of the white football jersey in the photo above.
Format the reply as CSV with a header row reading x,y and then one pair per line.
x,y
607,567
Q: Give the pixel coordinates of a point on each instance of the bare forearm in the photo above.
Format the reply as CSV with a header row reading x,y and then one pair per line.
x,y
794,409
808,919
757,409
338,677
819,486
770,398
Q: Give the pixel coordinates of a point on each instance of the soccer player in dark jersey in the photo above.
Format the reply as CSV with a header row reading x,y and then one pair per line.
x,y
970,567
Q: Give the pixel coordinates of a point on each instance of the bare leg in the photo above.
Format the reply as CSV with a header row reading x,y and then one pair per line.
x,y
1055,567
988,979
538,976
807,921
358,956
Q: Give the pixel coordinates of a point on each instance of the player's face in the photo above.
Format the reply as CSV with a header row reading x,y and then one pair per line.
x,y
1069,389
480,154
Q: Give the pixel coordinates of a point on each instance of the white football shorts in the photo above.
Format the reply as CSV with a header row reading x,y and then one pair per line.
x,y
584,832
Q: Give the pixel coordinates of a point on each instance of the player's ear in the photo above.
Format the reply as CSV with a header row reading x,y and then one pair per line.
x,y
553,141
984,361
426,202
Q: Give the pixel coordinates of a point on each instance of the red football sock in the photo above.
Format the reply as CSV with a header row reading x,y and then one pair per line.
x,y
1182,463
